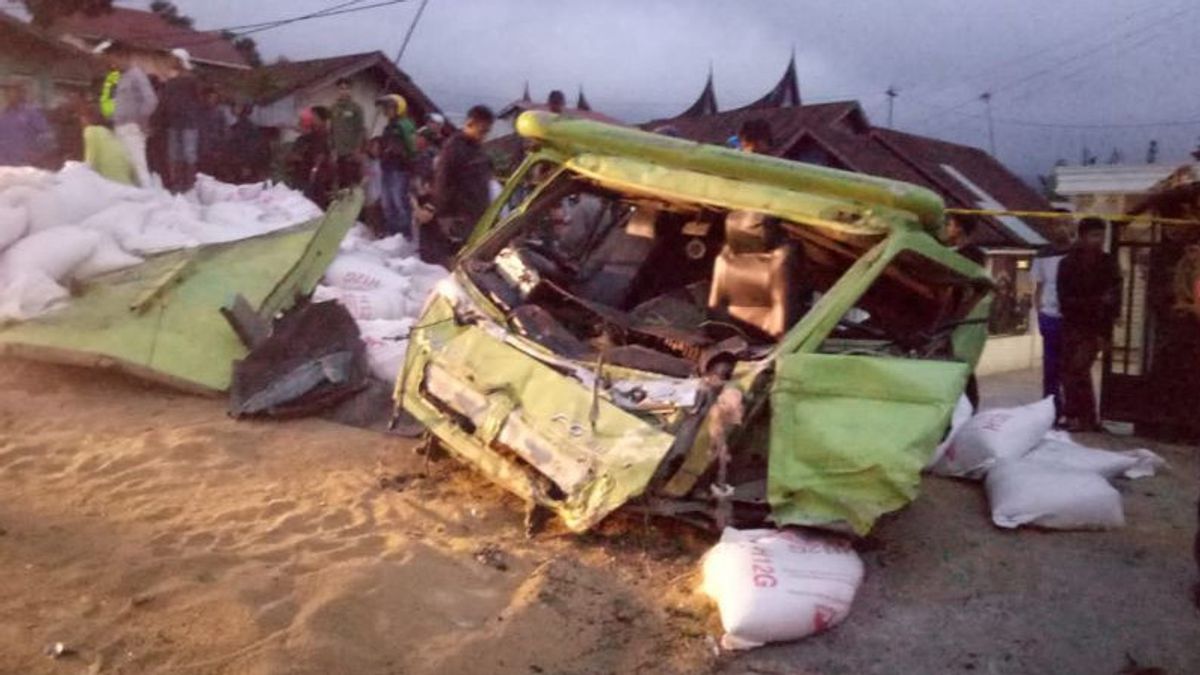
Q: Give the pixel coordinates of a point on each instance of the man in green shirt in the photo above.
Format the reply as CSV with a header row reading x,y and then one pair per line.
x,y
348,133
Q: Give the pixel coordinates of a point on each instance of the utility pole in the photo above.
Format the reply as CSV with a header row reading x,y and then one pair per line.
x,y
411,27
892,93
986,97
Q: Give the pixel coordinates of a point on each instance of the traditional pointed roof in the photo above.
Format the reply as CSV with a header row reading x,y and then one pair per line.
x,y
785,94
525,95
582,102
707,103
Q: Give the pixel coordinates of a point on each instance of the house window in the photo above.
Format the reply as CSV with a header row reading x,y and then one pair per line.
x,y
1013,297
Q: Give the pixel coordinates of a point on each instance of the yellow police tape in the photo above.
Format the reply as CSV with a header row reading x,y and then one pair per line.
x,y
1114,217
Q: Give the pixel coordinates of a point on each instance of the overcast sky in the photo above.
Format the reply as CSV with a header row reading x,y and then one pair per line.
x,y
1062,72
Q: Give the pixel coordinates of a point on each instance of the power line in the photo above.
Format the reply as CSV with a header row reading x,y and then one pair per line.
x,y
1090,51
1081,37
206,36
408,34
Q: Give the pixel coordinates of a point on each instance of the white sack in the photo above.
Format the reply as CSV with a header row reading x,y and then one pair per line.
x,y
387,345
239,215
773,585
54,252
167,228
356,272
108,257
958,419
18,195
77,193
366,305
1069,455
27,294
995,435
14,222
12,177
123,220
1029,492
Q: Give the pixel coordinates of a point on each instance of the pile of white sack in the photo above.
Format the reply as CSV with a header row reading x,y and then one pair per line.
x,y
383,284
1034,475
75,224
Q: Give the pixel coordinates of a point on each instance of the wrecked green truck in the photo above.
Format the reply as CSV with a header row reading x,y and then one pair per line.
x,y
645,322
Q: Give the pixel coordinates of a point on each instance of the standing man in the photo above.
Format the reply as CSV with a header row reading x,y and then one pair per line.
x,y
348,135
460,188
309,163
182,106
1089,296
398,153
1049,316
213,138
133,102
26,138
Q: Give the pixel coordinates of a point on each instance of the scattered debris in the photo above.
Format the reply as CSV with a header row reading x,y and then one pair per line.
x,y
398,482
58,650
492,556
312,360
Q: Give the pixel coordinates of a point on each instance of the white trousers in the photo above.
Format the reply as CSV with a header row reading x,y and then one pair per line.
x,y
134,140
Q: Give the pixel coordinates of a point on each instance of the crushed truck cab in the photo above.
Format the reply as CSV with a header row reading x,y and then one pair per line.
x,y
685,329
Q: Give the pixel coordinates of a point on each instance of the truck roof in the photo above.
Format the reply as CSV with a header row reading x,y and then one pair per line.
x,y
577,137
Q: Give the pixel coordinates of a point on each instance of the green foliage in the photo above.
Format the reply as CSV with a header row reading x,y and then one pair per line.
x,y
170,13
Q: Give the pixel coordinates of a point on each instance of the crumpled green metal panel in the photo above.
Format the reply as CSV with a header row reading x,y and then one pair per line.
x,y
500,409
850,434
162,321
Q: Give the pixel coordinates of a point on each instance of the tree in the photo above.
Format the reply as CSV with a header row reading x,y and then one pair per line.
x,y
44,12
170,13
246,46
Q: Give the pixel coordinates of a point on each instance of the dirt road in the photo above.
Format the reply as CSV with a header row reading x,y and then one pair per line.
x,y
150,534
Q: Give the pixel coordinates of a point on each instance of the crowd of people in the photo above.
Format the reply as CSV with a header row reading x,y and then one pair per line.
x,y
429,183
136,125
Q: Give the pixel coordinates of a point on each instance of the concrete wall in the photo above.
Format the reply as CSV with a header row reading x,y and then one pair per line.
x,y
1010,353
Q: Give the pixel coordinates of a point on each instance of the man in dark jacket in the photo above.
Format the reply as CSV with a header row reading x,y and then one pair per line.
x,y
1089,296
460,188
181,103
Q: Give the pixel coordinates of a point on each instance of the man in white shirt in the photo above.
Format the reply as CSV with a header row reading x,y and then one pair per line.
x,y
1045,298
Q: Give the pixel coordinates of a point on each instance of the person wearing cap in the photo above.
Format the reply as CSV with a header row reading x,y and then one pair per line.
x,y
133,101
1089,298
310,162
182,105
398,154
348,134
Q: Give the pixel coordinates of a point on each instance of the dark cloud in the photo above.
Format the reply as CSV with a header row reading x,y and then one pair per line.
x,y
1068,62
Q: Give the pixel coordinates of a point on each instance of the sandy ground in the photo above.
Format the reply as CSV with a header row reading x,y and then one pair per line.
x,y
150,534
